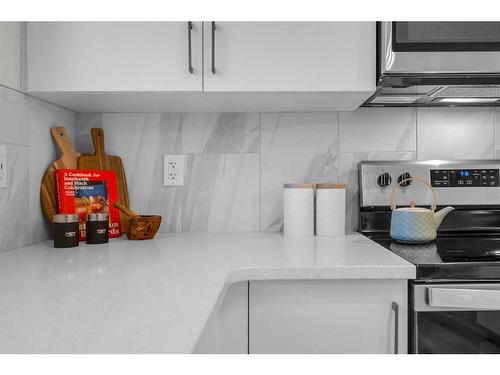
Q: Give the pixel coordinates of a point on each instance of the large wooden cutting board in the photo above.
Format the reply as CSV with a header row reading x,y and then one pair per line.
x,y
67,159
101,160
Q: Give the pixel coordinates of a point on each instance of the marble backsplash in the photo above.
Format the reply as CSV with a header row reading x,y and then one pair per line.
x,y
236,163
24,129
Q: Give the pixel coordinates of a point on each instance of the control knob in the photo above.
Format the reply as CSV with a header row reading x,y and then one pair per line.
x,y
402,177
384,180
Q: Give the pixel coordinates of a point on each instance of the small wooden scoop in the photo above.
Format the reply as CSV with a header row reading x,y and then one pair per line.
x,y
140,227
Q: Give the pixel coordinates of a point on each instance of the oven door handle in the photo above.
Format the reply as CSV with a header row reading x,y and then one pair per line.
x,y
464,298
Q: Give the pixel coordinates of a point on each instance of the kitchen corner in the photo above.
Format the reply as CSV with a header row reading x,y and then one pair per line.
x,y
253,187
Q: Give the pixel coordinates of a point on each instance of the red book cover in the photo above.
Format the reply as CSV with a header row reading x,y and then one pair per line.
x,y
84,191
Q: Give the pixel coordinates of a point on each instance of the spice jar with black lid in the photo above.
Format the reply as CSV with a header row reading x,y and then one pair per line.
x,y
97,228
66,230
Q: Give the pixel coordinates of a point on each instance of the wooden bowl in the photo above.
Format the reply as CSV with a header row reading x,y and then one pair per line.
x,y
143,227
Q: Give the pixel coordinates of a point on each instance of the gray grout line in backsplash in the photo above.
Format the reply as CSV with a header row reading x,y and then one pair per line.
x,y
338,148
260,170
14,144
495,131
217,153
181,135
416,134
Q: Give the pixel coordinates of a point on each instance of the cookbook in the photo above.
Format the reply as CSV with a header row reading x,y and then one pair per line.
x,y
84,191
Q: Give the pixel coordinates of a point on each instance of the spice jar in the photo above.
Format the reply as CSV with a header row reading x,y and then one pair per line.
x,y
97,228
65,230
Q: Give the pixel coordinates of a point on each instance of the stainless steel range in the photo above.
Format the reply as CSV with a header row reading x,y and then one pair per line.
x,y
455,300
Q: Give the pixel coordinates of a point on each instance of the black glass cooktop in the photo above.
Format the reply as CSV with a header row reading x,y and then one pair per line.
x,y
450,257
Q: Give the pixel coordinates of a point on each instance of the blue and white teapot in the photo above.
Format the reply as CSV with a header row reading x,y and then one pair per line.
x,y
416,224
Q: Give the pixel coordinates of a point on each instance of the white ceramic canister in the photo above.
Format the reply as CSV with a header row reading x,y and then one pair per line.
x,y
330,210
298,210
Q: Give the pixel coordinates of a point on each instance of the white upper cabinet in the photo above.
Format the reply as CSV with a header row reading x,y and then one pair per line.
x,y
239,66
113,56
289,56
10,54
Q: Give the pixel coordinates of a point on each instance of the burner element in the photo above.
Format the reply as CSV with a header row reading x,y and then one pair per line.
x,y
469,250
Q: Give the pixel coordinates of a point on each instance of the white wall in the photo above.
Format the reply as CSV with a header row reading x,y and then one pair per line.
x,y
24,128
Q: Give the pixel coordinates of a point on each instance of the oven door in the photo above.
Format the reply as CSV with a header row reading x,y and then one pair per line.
x,y
455,318
439,47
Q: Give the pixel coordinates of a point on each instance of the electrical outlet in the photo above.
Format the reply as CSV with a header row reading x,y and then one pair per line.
x,y
173,170
3,166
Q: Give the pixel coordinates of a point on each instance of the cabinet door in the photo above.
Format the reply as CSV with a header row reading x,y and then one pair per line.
x,y
226,331
331,316
289,56
10,54
113,56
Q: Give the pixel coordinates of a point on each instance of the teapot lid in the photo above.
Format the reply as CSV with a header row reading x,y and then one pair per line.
x,y
413,209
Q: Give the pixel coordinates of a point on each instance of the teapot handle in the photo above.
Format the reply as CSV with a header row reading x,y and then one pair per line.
x,y
393,193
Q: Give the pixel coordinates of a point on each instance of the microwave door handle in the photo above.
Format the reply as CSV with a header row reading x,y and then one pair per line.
x,y
464,298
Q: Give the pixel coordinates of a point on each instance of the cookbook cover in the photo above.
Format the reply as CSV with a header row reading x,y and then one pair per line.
x,y
83,191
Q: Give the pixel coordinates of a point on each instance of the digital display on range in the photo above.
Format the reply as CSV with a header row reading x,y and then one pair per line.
x,y
464,177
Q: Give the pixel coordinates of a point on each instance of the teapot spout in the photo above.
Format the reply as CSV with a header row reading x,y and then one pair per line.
x,y
440,215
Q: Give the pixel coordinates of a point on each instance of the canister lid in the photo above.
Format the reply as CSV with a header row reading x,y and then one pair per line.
x,y
99,216
66,218
330,186
305,185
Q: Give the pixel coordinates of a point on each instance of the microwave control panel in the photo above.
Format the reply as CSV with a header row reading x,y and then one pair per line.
x,y
464,177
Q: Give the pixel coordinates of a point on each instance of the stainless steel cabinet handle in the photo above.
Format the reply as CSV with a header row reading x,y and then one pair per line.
x,y
213,47
395,308
190,57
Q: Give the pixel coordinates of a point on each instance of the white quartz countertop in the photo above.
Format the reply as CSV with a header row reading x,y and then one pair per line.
x,y
156,296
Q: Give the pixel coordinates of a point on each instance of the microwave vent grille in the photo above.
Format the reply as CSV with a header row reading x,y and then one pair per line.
x,y
468,92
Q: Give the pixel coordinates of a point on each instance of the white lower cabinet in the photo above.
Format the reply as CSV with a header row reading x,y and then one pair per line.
x,y
328,316
226,331
309,316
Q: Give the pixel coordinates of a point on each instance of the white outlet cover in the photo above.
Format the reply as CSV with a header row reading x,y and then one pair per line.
x,y
173,170
3,166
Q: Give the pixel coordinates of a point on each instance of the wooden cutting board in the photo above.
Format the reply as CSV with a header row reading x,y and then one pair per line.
x,y
68,159
100,160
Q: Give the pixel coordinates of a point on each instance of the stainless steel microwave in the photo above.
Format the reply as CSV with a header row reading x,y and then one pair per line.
x,y
437,64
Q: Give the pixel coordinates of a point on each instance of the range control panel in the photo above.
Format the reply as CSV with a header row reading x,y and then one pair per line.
x,y
455,182
464,177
